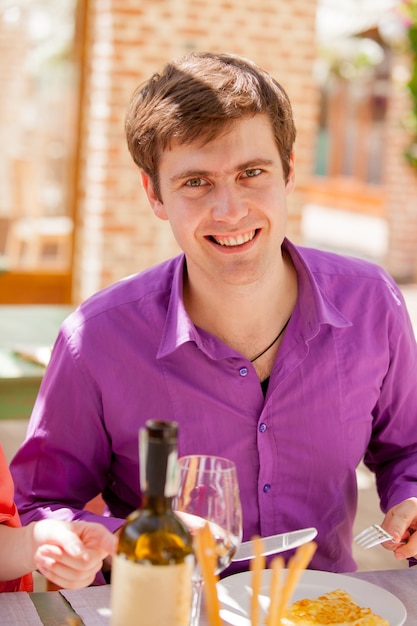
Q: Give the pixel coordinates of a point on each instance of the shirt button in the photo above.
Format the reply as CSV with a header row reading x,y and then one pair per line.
x,y
267,487
262,427
243,371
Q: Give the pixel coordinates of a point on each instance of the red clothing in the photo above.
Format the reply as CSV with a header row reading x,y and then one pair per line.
x,y
10,517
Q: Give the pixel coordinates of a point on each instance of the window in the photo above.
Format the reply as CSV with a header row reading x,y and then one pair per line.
x,y
39,103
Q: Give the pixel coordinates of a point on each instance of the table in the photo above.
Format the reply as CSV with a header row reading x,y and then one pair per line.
x,y
54,610
24,327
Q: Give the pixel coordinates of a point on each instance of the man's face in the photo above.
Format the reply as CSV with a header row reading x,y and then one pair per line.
x,y
226,202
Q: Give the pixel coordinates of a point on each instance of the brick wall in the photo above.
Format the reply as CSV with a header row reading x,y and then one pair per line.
x,y
400,180
127,40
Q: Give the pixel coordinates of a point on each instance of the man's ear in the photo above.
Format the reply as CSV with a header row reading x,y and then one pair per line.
x,y
290,184
156,204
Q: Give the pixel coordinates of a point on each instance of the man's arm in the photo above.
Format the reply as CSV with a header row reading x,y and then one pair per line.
x,y
66,458
392,453
392,450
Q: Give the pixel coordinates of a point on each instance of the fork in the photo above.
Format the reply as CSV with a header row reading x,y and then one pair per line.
x,y
373,536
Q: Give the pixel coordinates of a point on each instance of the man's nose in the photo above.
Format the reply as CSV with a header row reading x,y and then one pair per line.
x,y
229,204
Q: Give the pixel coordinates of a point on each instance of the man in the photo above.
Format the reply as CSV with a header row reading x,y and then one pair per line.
x,y
292,362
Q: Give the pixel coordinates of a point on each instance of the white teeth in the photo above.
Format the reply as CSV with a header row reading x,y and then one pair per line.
x,y
235,241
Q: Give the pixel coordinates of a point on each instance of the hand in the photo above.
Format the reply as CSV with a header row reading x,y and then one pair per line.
x,y
70,554
401,523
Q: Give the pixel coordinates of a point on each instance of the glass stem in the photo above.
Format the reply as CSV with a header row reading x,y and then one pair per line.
x,y
196,601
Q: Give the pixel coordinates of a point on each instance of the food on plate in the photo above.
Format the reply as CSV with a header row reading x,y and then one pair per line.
x,y
335,608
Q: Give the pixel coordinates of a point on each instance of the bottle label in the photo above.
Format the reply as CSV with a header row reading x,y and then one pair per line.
x,y
150,595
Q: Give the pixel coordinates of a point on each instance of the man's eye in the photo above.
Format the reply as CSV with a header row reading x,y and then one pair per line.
x,y
254,171
195,182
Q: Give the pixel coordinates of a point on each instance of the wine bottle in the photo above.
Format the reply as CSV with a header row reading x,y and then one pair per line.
x,y
152,571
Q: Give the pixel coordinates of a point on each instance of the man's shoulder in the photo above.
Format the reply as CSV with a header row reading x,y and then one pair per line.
x,y
347,280
150,287
330,263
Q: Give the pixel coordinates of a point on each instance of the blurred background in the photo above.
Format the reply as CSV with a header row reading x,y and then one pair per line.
x,y
73,217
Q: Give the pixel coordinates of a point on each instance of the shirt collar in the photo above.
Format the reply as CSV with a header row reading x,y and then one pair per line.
x,y
178,327
314,305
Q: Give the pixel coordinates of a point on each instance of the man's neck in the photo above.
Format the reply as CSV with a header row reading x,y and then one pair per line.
x,y
245,317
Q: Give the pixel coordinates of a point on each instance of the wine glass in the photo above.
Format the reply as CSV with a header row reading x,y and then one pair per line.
x,y
209,492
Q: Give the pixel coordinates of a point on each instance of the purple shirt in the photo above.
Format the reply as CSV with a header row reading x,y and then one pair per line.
x,y
343,386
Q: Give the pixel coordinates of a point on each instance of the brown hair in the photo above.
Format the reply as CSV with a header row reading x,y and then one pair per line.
x,y
197,98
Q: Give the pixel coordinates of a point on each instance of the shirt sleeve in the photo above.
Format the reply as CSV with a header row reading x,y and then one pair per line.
x,y
66,457
392,452
10,517
8,510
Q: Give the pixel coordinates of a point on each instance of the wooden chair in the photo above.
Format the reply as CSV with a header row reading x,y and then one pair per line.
x,y
34,241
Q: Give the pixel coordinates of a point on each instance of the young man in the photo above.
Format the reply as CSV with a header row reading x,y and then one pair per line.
x,y
294,363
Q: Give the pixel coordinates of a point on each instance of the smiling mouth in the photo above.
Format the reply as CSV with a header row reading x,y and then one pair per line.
x,y
233,241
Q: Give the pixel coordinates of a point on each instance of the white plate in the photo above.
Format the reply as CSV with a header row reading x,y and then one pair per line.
x,y
234,593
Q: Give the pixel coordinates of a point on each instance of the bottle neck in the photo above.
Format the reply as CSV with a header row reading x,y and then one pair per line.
x,y
158,461
158,504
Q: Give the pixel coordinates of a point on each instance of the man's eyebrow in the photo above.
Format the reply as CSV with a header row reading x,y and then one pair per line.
x,y
193,173
190,174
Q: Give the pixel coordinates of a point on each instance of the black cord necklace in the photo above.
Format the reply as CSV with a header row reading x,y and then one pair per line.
x,y
275,340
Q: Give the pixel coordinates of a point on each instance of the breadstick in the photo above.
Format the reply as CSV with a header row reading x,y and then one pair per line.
x,y
256,566
296,565
275,592
206,558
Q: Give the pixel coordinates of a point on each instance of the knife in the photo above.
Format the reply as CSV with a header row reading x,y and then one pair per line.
x,y
275,543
